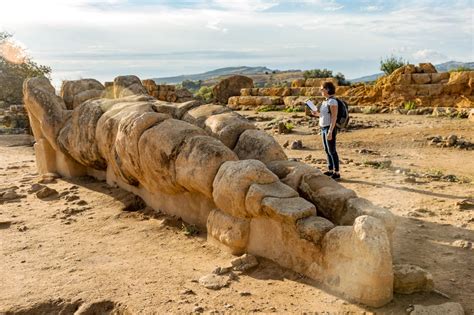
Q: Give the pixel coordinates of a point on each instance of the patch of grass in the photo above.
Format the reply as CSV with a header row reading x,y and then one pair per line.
x,y
370,110
289,126
460,69
267,108
378,164
409,105
189,229
293,109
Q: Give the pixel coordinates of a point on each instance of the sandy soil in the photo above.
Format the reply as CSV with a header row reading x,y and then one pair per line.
x,y
81,250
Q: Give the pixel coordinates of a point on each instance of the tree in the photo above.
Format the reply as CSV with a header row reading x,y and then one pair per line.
x,y
317,73
15,67
205,93
192,85
392,63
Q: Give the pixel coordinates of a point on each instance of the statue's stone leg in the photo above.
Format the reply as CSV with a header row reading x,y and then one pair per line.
x,y
358,262
67,167
45,157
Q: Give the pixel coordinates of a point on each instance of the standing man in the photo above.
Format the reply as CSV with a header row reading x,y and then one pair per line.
x,y
327,121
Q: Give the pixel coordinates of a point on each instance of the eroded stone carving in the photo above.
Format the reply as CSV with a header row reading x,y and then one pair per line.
x,y
211,167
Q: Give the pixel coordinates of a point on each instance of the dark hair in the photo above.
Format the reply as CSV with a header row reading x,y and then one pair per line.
x,y
329,86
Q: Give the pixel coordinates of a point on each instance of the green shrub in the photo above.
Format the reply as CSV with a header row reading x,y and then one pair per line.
x,y
205,93
289,126
392,63
409,105
317,73
293,109
370,110
460,69
267,108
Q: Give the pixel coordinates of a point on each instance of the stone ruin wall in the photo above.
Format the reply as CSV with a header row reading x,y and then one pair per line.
x,y
421,84
213,168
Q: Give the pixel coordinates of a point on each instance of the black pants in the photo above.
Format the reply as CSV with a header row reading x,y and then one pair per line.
x,y
330,148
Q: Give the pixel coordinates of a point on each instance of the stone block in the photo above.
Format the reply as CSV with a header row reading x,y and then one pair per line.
x,y
297,83
291,172
233,181
287,210
421,78
258,145
257,192
231,231
314,228
438,77
409,279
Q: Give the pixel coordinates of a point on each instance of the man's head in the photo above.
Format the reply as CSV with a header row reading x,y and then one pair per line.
x,y
329,88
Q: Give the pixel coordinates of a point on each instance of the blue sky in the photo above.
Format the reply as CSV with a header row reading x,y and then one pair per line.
x,y
106,38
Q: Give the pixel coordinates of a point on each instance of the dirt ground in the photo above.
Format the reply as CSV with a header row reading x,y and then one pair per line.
x,y
81,250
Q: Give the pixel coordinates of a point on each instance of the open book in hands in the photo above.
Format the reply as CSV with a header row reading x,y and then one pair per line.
x,y
311,105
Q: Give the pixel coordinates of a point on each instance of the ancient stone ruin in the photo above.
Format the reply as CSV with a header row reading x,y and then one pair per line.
x,y
213,168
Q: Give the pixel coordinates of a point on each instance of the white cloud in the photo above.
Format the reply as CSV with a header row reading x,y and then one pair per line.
x,y
215,25
429,55
246,5
372,8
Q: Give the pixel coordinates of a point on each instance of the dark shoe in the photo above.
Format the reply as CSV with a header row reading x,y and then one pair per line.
x,y
328,173
336,176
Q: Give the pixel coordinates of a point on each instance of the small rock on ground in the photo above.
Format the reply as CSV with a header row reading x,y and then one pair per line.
x,y
244,262
46,192
450,308
410,278
213,281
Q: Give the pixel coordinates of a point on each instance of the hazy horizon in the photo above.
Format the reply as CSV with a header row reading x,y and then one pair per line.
x,y
105,38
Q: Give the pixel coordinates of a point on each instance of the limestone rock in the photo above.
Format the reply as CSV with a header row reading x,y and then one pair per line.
x,y
35,187
46,110
358,261
128,85
291,172
76,92
314,228
421,78
244,262
450,308
78,138
227,127
158,149
197,116
231,231
231,87
328,195
130,129
427,68
214,282
198,161
257,192
258,145
233,181
409,279
288,209
355,207
46,192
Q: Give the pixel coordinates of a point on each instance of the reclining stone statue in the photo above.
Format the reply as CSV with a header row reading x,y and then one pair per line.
x,y
213,168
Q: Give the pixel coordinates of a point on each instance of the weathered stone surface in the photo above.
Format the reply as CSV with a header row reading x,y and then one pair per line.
x,y
244,262
438,77
231,87
355,207
46,110
291,172
287,209
227,127
409,279
421,78
328,195
427,68
230,231
258,145
450,308
76,92
257,192
197,116
358,261
130,129
78,138
158,149
214,282
233,181
297,83
314,228
128,85
46,192
199,160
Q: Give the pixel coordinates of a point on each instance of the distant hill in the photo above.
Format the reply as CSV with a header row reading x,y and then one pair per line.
x,y
442,67
214,74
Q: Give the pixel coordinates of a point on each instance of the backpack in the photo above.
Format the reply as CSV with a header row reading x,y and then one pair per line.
x,y
342,114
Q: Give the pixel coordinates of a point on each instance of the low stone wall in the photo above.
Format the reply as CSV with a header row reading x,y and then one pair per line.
x,y
167,93
213,168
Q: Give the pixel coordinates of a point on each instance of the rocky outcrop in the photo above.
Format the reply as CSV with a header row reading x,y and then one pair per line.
x,y
76,92
211,167
168,93
231,87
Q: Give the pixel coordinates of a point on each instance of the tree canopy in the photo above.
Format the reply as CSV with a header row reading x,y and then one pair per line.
x,y
15,67
392,63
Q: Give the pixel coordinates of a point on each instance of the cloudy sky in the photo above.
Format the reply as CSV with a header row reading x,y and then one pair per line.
x,y
106,38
